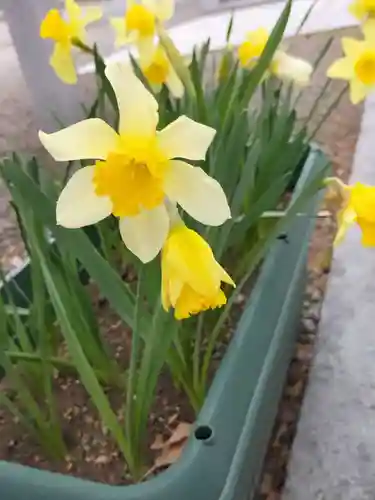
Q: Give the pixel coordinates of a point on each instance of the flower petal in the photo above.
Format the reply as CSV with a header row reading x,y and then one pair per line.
x,y
292,68
186,138
352,47
368,233
92,14
163,9
145,46
118,24
62,62
358,91
342,68
73,10
138,107
88,139
145,234
369,31
78,205
174,84
345,218
197,193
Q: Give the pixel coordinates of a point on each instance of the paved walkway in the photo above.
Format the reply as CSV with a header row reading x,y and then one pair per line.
x,y
334,452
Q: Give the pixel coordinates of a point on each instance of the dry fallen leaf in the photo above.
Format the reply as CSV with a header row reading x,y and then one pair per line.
x,y
171,449
181,433
158,443
169,455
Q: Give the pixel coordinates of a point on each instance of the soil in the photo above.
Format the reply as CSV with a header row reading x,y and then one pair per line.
x,y
92,452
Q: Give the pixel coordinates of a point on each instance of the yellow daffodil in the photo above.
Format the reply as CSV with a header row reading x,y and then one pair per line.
x,y
159,71
138,26
135,169
283,65
357,206
358,65
65,33
191,277
251,49
363,9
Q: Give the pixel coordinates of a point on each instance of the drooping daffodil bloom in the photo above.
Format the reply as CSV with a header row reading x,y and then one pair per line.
x,y
66,32
191,277
138,25
358,65
136,169
283,65
363,9
357,206
158,71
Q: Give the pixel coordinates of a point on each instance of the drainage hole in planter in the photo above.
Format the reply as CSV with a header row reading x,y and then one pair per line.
x,y
203,433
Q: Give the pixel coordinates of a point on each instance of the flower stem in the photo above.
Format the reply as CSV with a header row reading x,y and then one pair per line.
x,y
177,60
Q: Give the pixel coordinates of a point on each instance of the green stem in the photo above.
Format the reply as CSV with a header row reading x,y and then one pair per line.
x,y
36,358
82,46
176,60
196,354
132,436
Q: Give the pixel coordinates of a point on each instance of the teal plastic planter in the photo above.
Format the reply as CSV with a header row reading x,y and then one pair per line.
x,y
224,455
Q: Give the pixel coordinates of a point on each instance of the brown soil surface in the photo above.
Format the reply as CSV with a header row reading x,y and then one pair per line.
x,y
92,453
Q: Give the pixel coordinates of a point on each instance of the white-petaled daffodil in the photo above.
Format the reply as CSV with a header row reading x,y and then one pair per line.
x,y
158,71
358,65
66,32
138,25
136,170
283,65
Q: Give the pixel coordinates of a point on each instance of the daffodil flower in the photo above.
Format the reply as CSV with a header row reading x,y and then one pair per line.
x,y
191,277
357,206
138,26
283,65
358,65
158,71
251,49
136,169
363,9
65,33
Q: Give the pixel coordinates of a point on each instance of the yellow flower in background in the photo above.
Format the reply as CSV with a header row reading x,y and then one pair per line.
x,y
191,277
65,32
135,169
158,71
358,206
138,25
358,65
363,9
251,49
283,65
